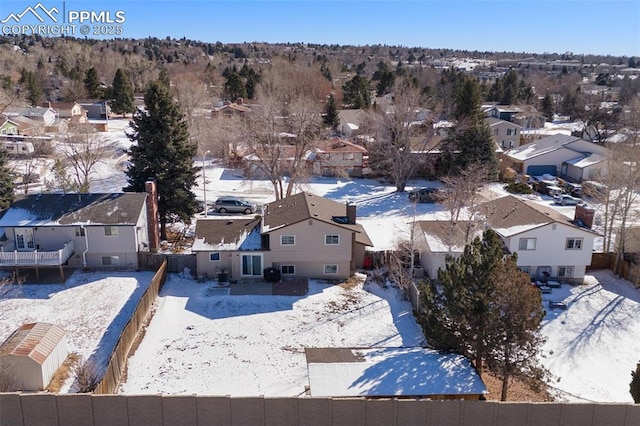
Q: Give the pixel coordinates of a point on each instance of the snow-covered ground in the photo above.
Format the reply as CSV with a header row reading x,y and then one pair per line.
x,y
203,342
92,307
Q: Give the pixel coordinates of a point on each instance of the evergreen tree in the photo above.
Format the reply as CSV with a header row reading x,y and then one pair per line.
x,y
331,117
356,92
471,137
92,84
548,107
234,87
6,181
122,92
634,387
162,151
31,84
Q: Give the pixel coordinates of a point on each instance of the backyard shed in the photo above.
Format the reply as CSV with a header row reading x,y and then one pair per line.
x,y
32,354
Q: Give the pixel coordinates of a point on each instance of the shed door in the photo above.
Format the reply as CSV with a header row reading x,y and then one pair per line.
x,y
24,239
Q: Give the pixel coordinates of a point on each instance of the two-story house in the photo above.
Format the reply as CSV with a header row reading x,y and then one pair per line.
x,y
302,235
43,115
505,133
78,230
339,157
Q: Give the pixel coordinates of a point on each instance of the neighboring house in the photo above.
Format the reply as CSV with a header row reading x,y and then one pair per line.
x,y
565,156
529,120
96,109
42,115
302,235
437,239
350,121
258,162
27,126
505,133
70,111
231,109
545,240
502,112
383,373
8,126
339,157
77,230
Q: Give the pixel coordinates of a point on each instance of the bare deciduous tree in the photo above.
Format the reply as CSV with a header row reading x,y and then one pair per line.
x,y
87,377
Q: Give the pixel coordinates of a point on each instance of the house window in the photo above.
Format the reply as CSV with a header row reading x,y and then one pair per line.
x,y
252,265
508,132
79,232
111,231
574,244
510,144
527,244
288,269
330,269
504,145
565,271
287,240
332,239
214,257
525,269
110,260
348,156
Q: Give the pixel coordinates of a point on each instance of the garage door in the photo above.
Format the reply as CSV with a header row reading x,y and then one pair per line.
x,y
542,170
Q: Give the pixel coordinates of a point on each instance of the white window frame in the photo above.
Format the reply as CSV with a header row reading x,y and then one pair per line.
x,y
211,256
574,244
110,260
326,237
79,231
291,267
567,271
525,269
330,265
111,231
526,245
282,240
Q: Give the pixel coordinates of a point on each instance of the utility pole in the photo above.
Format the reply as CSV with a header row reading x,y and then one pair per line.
x,y
204,184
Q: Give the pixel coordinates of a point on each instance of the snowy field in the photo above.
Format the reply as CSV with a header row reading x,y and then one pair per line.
x,y
92,307
201,342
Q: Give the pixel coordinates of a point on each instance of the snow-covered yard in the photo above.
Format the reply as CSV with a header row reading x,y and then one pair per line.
x,y
204,342
91,307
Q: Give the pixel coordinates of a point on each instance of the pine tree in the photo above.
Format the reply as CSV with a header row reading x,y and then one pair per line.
x,y
471,137
331,117
122,92
547,107
162,152
6,182
234,87
92,84
356,92
30,82
634,387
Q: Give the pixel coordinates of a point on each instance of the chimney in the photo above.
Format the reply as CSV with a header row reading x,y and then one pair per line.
x,y
239,101
584,215
152,216
351,213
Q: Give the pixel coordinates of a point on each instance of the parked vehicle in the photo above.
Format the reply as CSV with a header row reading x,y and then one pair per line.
x,y
567,200
423,195
234,205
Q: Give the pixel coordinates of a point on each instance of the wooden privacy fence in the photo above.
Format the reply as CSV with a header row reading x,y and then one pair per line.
x,y
187,410
118,359
627,268
175,262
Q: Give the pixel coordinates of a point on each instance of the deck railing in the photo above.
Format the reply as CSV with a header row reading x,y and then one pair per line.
x,y
37,257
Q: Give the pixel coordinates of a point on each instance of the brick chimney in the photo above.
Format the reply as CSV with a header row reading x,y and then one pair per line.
x,y
351,213
585,215
152,216
239,101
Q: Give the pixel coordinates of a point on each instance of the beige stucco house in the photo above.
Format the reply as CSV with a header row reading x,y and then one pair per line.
x,y
338,157
77,230
505,133
303,235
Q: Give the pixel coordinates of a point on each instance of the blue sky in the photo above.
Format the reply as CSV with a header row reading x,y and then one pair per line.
x,y
537,26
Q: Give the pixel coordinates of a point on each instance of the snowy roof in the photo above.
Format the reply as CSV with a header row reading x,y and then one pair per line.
x,y
586,160
228,235
437,233
386,372
541,146
75,209
339,145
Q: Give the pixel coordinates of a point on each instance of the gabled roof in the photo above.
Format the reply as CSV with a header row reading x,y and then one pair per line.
x,y
339,145
227,235
438,234
353,116
26,111
541,146
233,106
35,340
496,121
304,206
75,209
510,216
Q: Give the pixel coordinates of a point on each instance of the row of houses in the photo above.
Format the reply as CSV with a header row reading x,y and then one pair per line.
x,y
303,235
